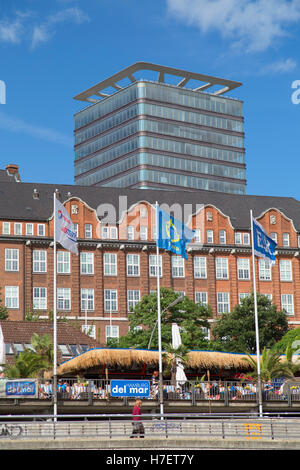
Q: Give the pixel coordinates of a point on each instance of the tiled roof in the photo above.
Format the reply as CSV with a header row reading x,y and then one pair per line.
x,y
22,331
17,202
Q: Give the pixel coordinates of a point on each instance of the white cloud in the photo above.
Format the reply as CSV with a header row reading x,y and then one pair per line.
x,y
12,124
252,25
12,30
281,66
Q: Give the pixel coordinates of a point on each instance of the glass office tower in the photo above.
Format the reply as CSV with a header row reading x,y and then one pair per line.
x,y
150,134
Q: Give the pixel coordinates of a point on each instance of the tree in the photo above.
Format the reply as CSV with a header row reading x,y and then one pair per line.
x,y
292,336
190,317
3,309
271,366
235,331
171,357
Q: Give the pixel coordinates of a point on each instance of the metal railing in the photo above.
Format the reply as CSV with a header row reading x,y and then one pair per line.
x,y
180,426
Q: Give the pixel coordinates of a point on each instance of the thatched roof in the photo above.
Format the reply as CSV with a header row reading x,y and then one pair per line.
x,y
126,357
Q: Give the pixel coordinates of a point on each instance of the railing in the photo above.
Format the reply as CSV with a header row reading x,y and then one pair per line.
x,y
227,391
181,426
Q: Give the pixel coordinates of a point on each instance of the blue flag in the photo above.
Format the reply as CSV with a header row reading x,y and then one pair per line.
x,y
172,235
263,245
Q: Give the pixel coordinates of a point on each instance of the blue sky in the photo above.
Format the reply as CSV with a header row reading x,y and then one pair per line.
x,y
52,50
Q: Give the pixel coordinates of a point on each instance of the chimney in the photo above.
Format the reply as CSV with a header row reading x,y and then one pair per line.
x,y
13,170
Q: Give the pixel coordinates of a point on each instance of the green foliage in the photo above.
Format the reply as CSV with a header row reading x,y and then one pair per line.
x,y
287,340
235,331
3,309
190,317
271,366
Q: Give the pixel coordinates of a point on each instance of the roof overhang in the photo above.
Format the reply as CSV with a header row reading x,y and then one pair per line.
x,y
96,92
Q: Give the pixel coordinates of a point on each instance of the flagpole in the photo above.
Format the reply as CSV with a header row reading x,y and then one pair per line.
x,y
159,317
54,316
256,323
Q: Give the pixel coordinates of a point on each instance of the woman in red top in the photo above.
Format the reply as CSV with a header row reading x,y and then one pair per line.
x,y
138,427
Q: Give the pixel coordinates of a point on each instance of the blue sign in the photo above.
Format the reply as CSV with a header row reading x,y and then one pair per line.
x,y
130,388
20,388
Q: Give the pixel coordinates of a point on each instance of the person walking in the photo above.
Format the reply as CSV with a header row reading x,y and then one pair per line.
x,y
138,427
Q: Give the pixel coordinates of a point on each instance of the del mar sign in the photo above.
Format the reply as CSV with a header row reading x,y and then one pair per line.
x,y
130,388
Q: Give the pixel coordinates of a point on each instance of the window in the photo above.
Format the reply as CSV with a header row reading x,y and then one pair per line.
x,y
298,240
88,231
112,331
200,267
133,265
285,239
285,267
87,299
105,232
76,229
29,229
12,296
18,229
264,270
64,298
11,259
110,300
39,261
223,302
113,233
243,267
287,303
177,266
201,298
89,330
6,228
221,268
86,262
130,232
238,238
133,297
269,296
109,232
41,230
143,232
153,265
40,298
110,264
243,295
222,237
197,237
209,236
246,239
63,262
273,235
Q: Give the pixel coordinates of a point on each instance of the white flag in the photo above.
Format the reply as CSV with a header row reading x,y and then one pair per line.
x,y
65,233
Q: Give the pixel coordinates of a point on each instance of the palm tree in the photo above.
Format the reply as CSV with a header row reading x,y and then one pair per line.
x,y
27,364
43,346
171,357
271,366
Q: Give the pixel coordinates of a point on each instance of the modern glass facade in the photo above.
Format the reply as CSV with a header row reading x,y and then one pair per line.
x,y
154,135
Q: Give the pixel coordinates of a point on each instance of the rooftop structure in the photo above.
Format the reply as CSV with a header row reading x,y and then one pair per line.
x,y
165,131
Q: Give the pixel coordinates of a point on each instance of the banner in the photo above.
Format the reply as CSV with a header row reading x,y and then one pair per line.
x,y
130,388
18,388
172,235
263,245
65,233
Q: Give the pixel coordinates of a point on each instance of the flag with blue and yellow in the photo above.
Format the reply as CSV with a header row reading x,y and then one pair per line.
x,y
171,234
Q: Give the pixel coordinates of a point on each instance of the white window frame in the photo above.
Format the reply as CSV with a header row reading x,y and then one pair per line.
x,y
39,261
223,302
87,300
143,232
197,237
5,228
130,232
286,275
133,264
274,236
222,237
133,298
153,265
110,300
111,331
18,228
246,238
287,303
238,238
201,298
243,269
200,267
110,264
63,298
243,295
86,263
222,271
63,262
12,297
39,300
41,230
113,233
29,229
88,231
285,239
265,271
209,236
12,259
178,268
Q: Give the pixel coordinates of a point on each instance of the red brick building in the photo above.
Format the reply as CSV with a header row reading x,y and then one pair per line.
x,y
117,265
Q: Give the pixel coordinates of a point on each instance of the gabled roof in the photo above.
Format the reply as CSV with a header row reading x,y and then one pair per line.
x,y
17,202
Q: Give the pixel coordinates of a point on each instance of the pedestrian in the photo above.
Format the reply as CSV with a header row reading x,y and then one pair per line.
x,y
138,427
